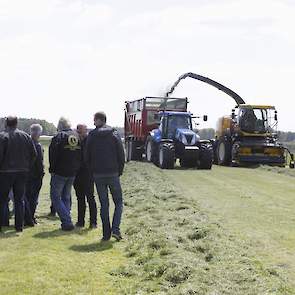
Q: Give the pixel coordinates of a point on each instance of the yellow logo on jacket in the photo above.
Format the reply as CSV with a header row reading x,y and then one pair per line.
x,y
73,143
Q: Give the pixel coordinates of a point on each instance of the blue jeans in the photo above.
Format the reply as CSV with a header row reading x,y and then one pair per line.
x,y
102,186
60,193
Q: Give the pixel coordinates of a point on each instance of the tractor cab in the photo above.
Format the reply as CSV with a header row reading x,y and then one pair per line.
x,y
172,122
255,120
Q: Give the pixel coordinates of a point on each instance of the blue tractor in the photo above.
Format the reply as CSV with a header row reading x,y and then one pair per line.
x,y
175,139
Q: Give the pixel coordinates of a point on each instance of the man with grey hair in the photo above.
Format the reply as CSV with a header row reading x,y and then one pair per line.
x,y
65,158
35,177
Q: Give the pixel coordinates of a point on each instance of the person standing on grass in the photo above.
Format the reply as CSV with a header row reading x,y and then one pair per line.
x,y
84,186
105,158
65,158
35,178
17,155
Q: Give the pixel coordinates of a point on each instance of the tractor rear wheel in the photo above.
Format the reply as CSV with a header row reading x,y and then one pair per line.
x,y
151,151
206,157
166,156
223,152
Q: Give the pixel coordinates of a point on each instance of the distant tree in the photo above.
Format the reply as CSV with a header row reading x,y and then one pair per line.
x,y
24,124
286,136
206,133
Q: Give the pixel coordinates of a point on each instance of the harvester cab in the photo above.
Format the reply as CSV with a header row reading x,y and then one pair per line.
x,y
249,136
253,120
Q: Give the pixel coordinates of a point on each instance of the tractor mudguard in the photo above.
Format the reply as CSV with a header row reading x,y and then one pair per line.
x,y
156,135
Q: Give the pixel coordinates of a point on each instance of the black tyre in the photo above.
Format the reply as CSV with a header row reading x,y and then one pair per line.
x,y
188,162
132,153
206,157
215,145
166,156
223,152
151,151
127,152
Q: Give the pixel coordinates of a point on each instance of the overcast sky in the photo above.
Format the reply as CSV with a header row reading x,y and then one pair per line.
x,y
74,57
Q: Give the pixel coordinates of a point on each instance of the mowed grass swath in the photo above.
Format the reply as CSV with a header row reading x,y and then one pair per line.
x,y
224,231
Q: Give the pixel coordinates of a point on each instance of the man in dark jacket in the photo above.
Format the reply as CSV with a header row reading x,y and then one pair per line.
x,y
105,157
65,158
17,155
84,186
35,178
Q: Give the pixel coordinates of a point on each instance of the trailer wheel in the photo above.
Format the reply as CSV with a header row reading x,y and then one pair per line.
x,y
166,156
206,157
223,152
127,156
132,152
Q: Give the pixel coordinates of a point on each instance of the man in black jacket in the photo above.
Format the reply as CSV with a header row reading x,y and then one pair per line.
x,y
84,186
65,158
17,155
105,157
35,178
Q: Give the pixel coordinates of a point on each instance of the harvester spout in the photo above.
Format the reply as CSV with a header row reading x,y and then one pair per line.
x,y
209,81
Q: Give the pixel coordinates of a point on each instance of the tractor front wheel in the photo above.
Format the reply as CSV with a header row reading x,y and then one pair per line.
x,y
166,156
206,157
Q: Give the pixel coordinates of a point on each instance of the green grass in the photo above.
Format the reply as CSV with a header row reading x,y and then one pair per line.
x,y
225,231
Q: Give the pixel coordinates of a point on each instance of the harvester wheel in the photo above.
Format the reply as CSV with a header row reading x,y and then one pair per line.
x,y
223,152
206,157
215,145
166,156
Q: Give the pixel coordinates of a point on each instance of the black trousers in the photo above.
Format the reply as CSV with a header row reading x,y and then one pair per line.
x,y
15,181
84,188
33,187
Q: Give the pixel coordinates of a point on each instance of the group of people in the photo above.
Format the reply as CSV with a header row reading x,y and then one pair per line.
x,y
76,159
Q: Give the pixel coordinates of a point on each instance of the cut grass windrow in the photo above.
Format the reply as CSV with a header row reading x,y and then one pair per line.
x,y
174,248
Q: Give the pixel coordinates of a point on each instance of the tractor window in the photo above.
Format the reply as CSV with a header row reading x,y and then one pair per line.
x,y
178,122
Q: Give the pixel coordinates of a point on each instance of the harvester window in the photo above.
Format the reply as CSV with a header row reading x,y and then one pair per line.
x,y
253,120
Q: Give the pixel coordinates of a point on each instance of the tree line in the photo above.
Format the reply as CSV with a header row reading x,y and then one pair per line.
x,y
24,124
50,129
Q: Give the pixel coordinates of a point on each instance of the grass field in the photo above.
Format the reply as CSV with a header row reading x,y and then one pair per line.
x,y
225,231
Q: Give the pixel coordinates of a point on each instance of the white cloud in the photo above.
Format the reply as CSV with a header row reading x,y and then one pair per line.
x,y
57,55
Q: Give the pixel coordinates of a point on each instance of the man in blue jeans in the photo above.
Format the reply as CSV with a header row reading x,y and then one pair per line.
x,y
65,158
105,158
